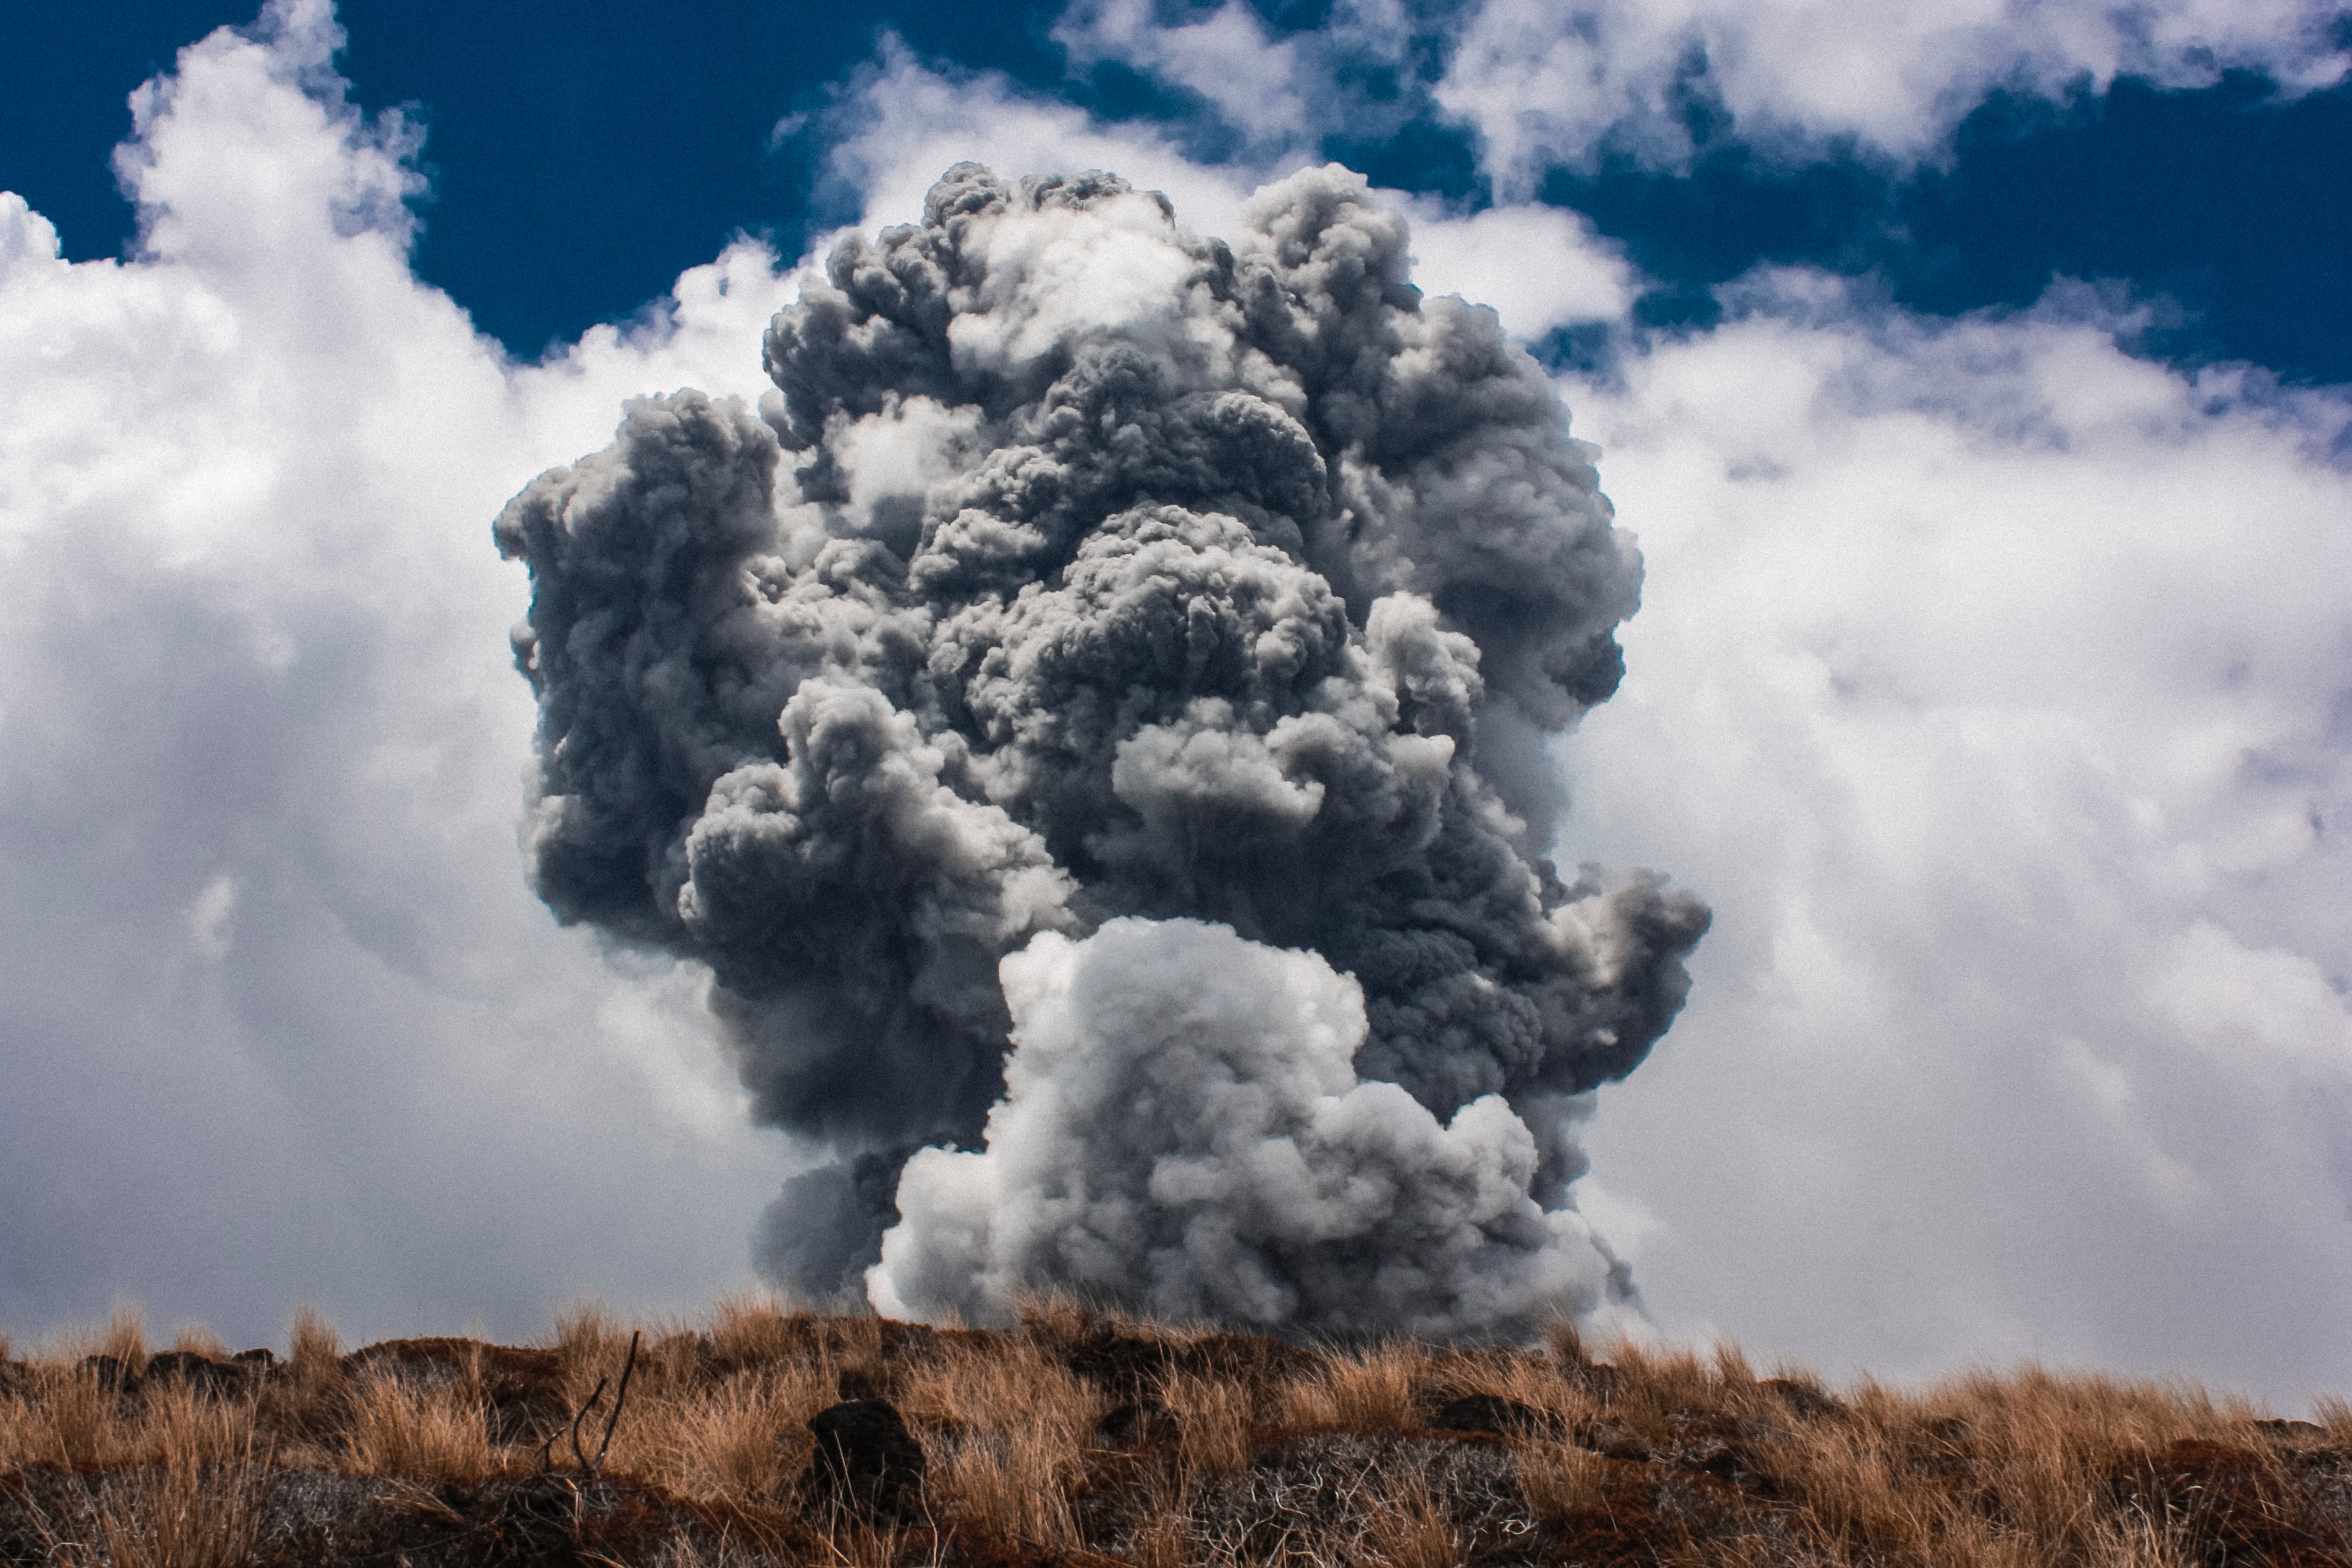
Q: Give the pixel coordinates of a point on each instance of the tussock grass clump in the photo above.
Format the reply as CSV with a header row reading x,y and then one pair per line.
x,y
1563,1483
124,1339
315,1345
423,1429
1084,1437
195,1339
167,1517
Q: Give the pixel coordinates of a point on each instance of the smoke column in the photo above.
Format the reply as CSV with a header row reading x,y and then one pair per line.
x,y
1088,721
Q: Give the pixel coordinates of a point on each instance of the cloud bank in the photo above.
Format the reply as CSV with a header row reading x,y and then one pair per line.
x,y
1539,85
277,1020
1993,685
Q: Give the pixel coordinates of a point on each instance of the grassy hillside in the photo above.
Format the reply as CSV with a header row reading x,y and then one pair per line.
x,y
1084,1439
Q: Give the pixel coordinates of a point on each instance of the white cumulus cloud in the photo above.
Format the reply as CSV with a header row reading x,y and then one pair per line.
x,y
279,1018
1991,685
1543,83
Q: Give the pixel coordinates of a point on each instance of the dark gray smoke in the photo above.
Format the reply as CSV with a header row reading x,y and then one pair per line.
x,y
1084,571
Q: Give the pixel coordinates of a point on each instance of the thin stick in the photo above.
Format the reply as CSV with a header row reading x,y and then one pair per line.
x,y
577,1451
620,1397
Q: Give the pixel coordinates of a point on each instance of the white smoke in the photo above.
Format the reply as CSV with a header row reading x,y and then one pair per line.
x,y
1182,1128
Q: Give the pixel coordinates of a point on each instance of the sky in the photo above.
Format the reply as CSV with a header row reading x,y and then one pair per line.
x,y
1974,380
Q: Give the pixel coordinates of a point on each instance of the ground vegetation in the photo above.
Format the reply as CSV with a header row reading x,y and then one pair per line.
x,y
770,1434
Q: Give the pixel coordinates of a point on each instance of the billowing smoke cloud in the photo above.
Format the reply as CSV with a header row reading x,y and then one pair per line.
x,y
1208,1148
1085,570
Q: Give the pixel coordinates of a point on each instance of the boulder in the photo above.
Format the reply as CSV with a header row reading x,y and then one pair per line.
x,y
114,1375
1492,1413
1805,1401
524,1386
213,1378
2279,1430
866,1463
1597,1378
1138,1424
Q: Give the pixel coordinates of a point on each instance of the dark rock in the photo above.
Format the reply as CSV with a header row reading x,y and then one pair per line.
x,y
904,1341
317,1519
1137,1425
2231,1505
213,1378
1136,1368
525,1521
1131,1367
2290,1431
523,1385
1252,1359
1492,1413
1729,1462
866,1463
1321,1497
1597,1379
110,1372
1617,1440
178,1366
517,1362
261,1358
1805,1401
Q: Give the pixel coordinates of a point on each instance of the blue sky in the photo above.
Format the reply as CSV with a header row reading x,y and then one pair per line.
x,y
581,157
1975,380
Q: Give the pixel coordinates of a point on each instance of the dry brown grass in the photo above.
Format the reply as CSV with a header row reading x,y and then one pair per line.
x,y
197,1339
1413,1530
2030,1467
1372,1390
1008,1433
742,1440
125,1338
1562,1482
425,1431
1636,1452
1216,1420
182,1430
739,1442
2333,1414
160,1518
172,1480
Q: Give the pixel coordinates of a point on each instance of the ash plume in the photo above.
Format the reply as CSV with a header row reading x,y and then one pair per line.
x,y
1094,599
